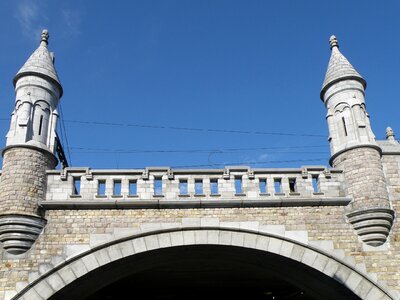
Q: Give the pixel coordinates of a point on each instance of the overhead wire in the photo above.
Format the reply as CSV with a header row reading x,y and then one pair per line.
x,y
249,163
214,150
282,149
193,129
185,128
65,134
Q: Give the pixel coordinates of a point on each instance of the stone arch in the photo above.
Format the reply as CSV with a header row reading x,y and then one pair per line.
x,y
74,268
341,107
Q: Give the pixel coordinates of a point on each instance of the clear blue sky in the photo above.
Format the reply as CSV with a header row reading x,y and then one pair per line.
x,y
253,66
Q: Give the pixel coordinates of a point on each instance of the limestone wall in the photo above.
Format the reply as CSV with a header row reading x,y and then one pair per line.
x,y
23,180
364,179
67,229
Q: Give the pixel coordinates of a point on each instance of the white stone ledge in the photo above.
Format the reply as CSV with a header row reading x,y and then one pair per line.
x,y
191,171
190,203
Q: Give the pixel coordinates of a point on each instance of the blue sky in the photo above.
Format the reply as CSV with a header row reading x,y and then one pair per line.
x,y
202,83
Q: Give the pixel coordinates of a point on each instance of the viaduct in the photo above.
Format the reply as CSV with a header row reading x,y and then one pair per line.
x,y
258,233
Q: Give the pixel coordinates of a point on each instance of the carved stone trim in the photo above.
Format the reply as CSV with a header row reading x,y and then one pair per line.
x,y
372,225
19,232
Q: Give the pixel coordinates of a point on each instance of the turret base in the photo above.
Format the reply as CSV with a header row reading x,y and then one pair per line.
x,y
372,225
19,232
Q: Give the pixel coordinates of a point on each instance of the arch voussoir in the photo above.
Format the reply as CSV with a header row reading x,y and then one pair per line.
x,y
76,267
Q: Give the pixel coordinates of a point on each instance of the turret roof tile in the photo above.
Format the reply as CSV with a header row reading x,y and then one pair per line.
x,y
339,68
40,63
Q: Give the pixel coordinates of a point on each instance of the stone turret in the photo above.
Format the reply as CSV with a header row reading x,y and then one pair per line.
x,y
354,149
30,150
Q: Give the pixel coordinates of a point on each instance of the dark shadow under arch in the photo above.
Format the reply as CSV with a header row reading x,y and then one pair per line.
x,y
200,271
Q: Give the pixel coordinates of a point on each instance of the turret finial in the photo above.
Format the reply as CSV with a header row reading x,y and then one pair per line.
x,y
44,37
333,42
390,134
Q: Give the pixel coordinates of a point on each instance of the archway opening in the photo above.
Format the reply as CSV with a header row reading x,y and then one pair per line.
x,y
199,271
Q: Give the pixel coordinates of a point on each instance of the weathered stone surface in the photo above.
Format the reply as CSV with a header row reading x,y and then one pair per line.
x,y
303,223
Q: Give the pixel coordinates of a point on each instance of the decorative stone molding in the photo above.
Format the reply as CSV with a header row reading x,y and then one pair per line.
x,y
226,174
145,175
170,174
80,259
205,202
64,174
19,232
327,173
250,174
372,225
304,173
89,175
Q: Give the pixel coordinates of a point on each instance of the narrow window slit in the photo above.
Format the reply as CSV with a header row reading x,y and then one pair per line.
x,y
183,187
315,183
132,187
263,185
101,188
277,185
198,187
158,186
76,186
40,125
117,188
292,185
214,186
344,126
238,185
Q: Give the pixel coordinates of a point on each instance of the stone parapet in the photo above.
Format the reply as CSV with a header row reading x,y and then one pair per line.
x,y
165,187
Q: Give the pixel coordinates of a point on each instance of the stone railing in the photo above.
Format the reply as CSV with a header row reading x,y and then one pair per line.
x,y
166,187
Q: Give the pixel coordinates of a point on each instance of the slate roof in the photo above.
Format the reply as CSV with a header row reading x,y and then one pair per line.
x,y
40,63
339,68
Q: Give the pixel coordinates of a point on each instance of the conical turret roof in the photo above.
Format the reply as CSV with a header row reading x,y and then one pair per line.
x,y
40,63
339,68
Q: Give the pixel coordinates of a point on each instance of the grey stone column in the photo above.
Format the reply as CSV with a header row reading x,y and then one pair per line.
x,y
23,185
370,211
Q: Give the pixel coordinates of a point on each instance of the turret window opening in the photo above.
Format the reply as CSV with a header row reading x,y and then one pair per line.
x,y
344,126
40,125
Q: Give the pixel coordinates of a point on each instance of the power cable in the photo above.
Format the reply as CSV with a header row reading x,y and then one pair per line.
x,y
193,129
65,134
221,150
250,163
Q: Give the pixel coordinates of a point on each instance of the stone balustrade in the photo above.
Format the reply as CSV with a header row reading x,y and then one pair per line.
x,y
163,187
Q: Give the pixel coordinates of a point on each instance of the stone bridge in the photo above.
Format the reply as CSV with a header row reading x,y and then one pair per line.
x,y
305,233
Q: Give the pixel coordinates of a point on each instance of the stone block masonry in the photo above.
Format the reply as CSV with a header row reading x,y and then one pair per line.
x,y
69,232
364,178
23,180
